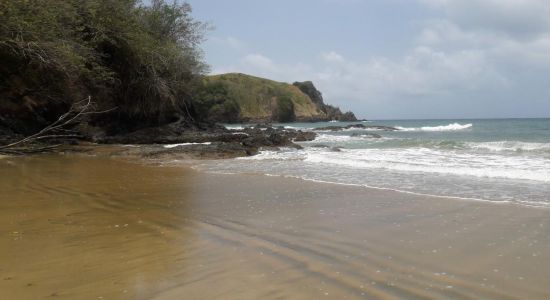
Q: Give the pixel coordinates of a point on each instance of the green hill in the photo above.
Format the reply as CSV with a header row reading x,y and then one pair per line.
x,y
238,97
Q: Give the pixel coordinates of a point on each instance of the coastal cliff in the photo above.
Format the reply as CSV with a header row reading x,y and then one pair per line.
x,y
241,98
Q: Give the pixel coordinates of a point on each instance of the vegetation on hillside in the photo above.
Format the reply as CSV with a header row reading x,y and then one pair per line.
x,y
213,103
284,110
259,99
144,60
141,63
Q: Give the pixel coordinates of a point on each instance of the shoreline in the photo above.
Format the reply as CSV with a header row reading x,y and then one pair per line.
x,y
129,228
191,163
190,157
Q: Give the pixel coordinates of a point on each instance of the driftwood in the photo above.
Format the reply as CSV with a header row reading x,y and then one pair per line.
x,y
56,130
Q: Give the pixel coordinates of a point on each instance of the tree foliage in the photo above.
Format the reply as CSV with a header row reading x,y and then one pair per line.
x,y
143,59
284,111
214,104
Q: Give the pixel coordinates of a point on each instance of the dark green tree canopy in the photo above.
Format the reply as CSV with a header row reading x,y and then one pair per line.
x,y
143,59
284,112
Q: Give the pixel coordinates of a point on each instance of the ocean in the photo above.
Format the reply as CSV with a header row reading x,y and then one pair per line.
x,y
499,160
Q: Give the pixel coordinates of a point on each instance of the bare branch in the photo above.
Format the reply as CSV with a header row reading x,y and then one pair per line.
x,y
56,129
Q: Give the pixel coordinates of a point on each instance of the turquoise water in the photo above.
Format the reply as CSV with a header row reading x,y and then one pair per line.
x,y
505,160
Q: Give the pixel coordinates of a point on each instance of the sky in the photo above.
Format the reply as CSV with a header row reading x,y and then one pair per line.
x,y
392,59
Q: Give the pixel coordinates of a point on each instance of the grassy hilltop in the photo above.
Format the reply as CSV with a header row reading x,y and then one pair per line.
x,y
239,97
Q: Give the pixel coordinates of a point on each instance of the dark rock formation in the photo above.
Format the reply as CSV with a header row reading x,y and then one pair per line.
x,y
213,142
304,136
309,89
332,113
201,151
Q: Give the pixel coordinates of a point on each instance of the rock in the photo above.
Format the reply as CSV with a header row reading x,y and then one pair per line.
x,y
333,149
380,127
347,117
330,112
201,151
305,136
320,146
204,141
329,128
355,126
263,125
224,143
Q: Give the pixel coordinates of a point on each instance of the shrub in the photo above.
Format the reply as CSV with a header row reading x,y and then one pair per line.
x,y
284,111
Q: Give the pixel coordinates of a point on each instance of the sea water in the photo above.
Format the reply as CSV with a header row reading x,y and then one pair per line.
x,y
500,160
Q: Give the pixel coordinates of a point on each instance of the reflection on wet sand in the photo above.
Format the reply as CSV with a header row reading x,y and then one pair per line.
x,y
98,228
82,227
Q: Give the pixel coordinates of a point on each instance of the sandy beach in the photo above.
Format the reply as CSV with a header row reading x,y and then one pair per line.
x,y
78,227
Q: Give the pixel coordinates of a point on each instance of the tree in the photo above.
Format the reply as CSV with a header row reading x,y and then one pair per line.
x,y
143,59
212,103
284,111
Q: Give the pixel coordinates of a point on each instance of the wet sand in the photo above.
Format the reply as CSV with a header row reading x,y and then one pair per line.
x,y
77,227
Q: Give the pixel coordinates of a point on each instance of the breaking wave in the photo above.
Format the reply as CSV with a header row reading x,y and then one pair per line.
x,y
510,146
450,127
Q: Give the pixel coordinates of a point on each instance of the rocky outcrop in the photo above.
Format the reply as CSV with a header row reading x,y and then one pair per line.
x,y
213,142
331,112
309,89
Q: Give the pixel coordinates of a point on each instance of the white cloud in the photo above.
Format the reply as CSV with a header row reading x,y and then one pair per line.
x,y
475,47
520,19
332,57
424,72
508,32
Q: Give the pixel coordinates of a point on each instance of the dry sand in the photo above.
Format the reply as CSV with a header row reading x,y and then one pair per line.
x,y
79,227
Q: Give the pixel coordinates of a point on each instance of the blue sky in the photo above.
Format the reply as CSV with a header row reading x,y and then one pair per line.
x,y
393,59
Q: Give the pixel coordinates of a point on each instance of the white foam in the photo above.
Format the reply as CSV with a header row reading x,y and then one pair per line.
x,y
512,146
334,138
284,154
240,133
329,138
542,204
234,127
298,128
535,204
450,127
363,129
185,144
435,161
